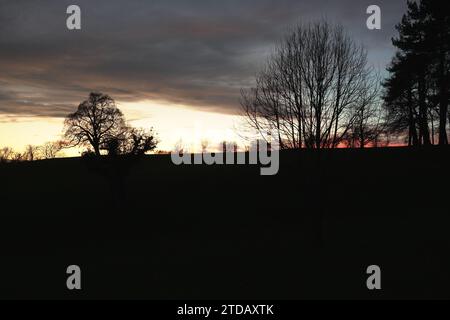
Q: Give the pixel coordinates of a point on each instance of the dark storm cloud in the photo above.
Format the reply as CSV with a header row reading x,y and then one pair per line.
x,y
197,53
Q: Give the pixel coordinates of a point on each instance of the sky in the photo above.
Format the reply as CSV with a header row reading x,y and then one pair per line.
x,y
174,65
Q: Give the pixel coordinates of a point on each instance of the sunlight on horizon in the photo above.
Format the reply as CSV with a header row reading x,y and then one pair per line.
x,y
173,123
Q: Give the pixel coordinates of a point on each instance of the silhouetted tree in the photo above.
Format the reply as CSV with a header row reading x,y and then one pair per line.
x,y
228,146
96,122
204,145
50,149
31,153
401,101
180,147
437,25
17,156
139,141
367,127
6,154
132,141
312,89
417,91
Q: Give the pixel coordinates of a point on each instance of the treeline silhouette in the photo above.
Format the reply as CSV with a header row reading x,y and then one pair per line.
x,y
49,150
317,89
98,125
417,91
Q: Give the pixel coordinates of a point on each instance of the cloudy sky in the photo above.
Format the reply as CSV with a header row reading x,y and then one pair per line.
x,y
168,63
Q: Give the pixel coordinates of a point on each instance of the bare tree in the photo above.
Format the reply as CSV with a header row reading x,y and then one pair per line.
x,y
6,154
311,89
204,144
50,149
31,153
96,122
180,147
17,156
228,146
367,127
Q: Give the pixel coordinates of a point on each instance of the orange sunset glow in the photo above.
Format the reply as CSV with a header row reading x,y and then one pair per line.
x,y
173,123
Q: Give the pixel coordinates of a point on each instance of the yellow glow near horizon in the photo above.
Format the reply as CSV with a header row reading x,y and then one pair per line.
x,y
19,131
172,123
177,122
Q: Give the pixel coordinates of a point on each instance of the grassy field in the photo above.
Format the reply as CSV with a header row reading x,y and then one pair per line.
x,y
150,229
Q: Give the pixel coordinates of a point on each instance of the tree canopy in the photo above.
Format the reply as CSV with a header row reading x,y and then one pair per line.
x,y
100,125
316,91
417,90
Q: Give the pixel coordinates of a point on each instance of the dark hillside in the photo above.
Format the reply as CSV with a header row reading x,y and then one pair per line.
x,y
155,230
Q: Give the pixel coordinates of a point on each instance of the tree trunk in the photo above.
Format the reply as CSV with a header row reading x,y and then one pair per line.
x,y
96,149
443,140
413,138
423,118
443,103
318,127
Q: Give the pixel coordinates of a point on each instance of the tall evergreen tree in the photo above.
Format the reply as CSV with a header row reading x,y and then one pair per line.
x,y
419,73
400,99
437,29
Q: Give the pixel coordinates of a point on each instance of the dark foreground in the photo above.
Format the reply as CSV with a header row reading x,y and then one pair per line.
x,y
160,231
